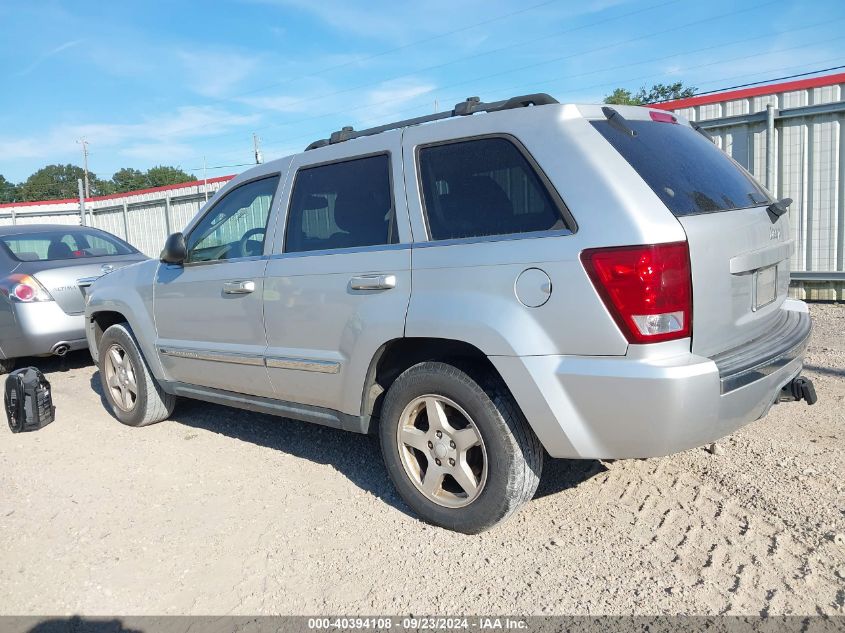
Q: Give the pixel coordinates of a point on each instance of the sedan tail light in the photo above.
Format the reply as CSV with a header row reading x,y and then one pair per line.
x,y
24,289
647,289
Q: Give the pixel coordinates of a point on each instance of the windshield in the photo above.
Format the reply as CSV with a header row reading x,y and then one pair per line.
x,y
685,169
72,243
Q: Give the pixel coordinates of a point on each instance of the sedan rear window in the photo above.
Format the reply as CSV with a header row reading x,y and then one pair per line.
x,y
686,170
63,244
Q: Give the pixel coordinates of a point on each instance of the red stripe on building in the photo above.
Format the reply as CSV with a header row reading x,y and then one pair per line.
x,y
756,91
113,196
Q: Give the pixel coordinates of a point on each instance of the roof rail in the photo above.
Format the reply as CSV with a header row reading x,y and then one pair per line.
x,y
464,108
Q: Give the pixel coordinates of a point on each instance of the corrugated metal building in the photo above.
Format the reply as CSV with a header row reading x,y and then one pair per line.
x,y
789,135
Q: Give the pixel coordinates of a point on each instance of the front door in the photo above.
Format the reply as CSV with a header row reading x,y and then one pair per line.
x,y
208,311
338,284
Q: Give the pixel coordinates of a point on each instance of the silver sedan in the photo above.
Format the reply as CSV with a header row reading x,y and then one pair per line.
x,y
41,304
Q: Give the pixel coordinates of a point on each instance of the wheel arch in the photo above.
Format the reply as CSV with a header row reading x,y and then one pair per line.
x,y
397,355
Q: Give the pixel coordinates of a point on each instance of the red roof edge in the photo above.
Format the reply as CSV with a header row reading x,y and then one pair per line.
x,y
181,185
756,91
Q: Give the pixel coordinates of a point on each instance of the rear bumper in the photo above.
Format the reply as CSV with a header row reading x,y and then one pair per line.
x,y
39,327
657,404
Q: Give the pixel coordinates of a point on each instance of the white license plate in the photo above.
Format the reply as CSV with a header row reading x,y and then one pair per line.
x,y
765,286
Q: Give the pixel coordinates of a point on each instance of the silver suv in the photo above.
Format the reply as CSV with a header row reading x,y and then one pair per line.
x,y
505,282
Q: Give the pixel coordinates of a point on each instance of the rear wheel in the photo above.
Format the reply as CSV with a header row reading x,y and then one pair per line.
x,y
459,451
6,365
135,397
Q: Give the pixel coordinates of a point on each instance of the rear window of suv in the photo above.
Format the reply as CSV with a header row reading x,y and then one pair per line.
x,y
685,169
60,244
484,187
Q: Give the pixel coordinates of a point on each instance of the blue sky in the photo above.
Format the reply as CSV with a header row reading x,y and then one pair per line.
x,y
154,82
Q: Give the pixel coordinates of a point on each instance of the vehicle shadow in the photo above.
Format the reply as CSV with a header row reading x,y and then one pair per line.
x,y
825,370
73,624
57,364
357,457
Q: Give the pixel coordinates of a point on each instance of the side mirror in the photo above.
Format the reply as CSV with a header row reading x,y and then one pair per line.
x,y
175,251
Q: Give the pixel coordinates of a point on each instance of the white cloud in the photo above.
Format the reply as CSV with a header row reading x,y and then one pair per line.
x,y
390,96
168,131
216,74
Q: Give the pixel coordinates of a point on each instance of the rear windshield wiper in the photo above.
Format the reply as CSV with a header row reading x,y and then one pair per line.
x,y
702,131
778,208
618,121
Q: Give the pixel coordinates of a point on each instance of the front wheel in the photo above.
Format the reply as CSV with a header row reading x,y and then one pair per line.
x,y
135,397
459,452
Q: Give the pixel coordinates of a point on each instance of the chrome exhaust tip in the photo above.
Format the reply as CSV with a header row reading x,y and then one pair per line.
x,y
60,349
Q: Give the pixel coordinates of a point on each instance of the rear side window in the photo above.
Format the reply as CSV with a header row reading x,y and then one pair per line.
x,y
686,170
63,244
342,205
484,187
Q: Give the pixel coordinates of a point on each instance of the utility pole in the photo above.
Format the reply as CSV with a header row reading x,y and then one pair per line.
x,y
84,144
256,147
81,202
205,178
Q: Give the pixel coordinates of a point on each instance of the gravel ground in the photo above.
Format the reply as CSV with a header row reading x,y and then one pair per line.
x,y
226,512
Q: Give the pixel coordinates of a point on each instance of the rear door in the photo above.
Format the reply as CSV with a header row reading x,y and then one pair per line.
x,y
339,282
739,252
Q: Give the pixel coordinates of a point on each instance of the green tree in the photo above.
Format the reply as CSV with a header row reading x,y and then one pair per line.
x,y
657,94
163,175
620,96
55,182
8,191
130,179
127,179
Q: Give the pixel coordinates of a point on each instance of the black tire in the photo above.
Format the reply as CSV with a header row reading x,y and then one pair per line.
x,y
514,454
151,403
6,365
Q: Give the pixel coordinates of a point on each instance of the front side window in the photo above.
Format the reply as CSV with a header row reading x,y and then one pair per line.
x,y
236,226
483,187
72,243
342,205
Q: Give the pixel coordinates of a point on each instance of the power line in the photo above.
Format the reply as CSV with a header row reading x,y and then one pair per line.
x,y
498,74
587,73
765,81
464,58
395,49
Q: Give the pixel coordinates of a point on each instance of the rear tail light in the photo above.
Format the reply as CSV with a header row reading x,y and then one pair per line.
x,y
24,289
647,289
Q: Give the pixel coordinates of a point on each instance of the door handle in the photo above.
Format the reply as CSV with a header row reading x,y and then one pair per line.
x,y
373,282
239,287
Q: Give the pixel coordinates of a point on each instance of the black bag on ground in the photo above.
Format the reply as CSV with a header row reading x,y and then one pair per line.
x,y
29,404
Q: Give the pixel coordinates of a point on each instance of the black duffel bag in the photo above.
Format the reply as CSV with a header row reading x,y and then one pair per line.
x,y
29,404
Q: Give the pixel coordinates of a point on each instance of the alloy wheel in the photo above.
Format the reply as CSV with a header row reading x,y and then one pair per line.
x,y
120,378
442,451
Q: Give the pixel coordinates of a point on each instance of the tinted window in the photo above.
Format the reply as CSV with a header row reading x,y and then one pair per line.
x,y
342,205
483,187
72,243
686,170
236,226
